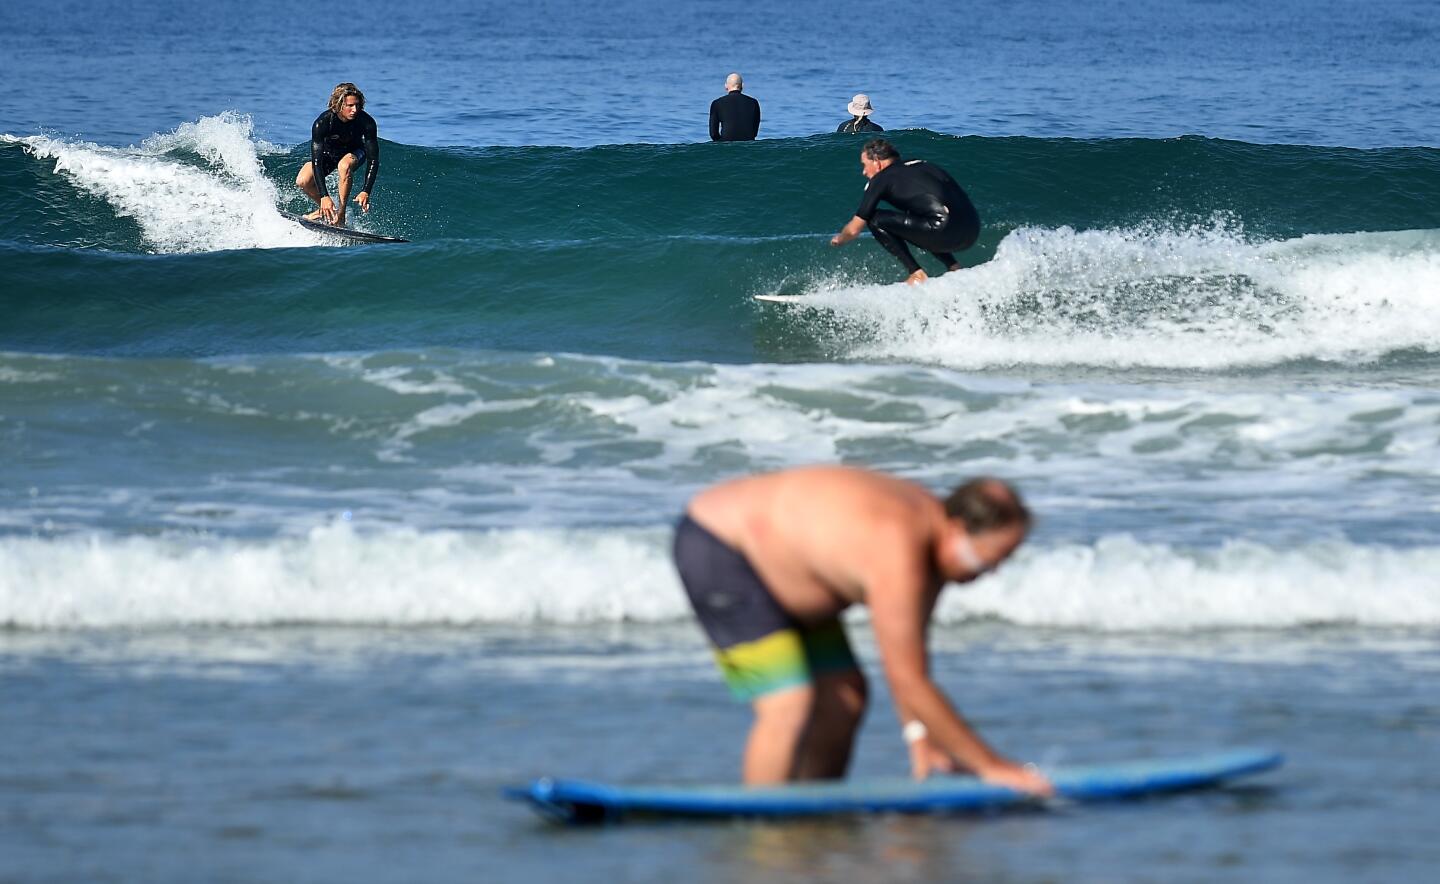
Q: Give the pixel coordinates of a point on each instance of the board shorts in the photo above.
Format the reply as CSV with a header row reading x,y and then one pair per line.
x,y
330,163
759,647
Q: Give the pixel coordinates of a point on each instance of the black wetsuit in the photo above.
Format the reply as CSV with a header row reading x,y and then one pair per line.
x,y
331,138
860,124
736,117
935,214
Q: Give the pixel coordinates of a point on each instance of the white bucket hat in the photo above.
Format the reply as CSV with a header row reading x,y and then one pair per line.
x,y
860,105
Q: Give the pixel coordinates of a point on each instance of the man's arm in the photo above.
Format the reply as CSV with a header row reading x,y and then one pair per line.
x,y
848,232
372,150
318,131
714,120
900,605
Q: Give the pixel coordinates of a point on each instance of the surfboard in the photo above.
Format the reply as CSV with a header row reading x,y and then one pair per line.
x,y
343,232
580,801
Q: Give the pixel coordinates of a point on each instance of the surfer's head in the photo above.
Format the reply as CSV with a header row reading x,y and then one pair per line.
x,y
876,155
341,103
988,521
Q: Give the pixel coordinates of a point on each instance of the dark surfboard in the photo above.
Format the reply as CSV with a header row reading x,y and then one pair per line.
x,y
347,233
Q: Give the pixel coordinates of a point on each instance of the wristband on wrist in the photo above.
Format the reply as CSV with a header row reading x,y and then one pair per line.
x,y
914,731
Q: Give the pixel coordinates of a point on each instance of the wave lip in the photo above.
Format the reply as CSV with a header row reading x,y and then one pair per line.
x,y
1120,584
200,188
335,575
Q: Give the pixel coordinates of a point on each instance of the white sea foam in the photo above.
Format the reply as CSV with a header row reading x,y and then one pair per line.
x,y
1203,298
227,203
784,415
338,576
484,440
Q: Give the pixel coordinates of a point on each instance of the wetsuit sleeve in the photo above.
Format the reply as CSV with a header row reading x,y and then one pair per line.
x,y
874,192
372,150
714,121
318,131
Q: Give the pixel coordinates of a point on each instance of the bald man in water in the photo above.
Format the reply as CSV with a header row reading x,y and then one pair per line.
x,y
770,561
736,116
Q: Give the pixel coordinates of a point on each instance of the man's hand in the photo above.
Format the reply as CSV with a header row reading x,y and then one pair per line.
x,y
327,209
1023,778
362,199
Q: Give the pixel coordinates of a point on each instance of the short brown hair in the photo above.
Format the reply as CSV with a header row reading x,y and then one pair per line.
x,y
880,149
987,504
342,92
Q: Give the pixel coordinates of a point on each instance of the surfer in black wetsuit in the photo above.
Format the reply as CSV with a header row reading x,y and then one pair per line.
x,y
736,117
860,111
342,138
935,214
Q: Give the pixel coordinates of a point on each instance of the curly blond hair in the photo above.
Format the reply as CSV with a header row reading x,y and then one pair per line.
x,y
344,91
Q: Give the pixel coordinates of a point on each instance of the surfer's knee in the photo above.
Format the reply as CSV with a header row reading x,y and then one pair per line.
x,y
303,179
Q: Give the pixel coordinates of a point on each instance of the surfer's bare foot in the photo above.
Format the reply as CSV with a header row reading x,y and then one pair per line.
x,y
917,277
339,220
312,216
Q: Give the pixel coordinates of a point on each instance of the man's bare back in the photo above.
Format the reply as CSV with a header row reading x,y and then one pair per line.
x,y
769,562
815,534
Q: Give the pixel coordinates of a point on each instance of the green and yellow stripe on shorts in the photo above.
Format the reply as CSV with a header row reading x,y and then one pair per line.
x,y
784,659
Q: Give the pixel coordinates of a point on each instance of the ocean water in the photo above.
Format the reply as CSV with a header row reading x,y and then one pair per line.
x,y
306,549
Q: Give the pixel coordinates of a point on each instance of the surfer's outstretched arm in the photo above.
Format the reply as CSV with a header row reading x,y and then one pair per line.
x,y
318,130
848,232
372,154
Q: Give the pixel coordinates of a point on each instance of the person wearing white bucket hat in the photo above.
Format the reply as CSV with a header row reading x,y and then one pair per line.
x,y
860,121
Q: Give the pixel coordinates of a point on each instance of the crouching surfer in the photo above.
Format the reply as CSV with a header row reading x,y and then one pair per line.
x,y
341,139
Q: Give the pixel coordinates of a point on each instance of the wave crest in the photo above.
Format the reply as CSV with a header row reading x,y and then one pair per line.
x,y
338,576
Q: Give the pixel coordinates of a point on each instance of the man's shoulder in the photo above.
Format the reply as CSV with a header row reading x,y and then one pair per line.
x,y
325,116
915,167
889,173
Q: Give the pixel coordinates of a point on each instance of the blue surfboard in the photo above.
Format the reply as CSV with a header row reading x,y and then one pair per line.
x,y
575,801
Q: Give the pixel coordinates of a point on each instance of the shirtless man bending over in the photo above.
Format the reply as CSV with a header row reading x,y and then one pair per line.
x,y
770,561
